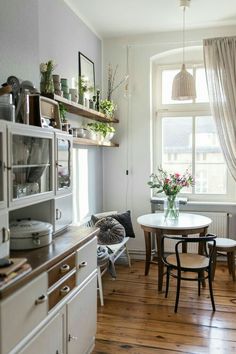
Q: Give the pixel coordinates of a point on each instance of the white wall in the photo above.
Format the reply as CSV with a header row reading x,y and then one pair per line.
x,y
19,40
135,114
34,31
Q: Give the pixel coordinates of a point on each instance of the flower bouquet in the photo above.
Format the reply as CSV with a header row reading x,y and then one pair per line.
x,y
171,184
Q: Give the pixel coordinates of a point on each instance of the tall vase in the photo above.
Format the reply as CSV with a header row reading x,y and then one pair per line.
x,y
46,83
171,207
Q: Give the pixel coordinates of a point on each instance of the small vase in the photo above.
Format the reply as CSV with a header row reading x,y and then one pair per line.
x,y
46,83
171,207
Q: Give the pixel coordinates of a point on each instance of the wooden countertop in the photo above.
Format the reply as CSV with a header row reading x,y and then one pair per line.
x,y
42,259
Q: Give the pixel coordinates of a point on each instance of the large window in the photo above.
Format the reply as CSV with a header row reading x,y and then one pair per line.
x,y
186,138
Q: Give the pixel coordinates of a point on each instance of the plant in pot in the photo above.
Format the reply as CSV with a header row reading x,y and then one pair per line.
x,y
84,90
102,131
108,108
62,112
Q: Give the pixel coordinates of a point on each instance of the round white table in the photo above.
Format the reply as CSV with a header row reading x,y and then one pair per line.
x,y
155,223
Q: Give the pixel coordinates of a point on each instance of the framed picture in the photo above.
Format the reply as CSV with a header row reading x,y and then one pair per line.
x,y
86,71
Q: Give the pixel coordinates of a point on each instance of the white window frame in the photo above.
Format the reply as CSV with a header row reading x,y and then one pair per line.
x,y
182,110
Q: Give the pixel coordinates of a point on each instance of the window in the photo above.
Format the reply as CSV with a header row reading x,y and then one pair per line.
x,y
186,138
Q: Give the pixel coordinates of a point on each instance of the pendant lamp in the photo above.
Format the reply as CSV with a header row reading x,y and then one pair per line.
x,y
183,87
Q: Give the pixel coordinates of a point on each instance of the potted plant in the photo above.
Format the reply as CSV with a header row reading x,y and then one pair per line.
x,y
108,108
103,131
84,89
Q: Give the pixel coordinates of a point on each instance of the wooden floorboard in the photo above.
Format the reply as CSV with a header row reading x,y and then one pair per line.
x,y
136,319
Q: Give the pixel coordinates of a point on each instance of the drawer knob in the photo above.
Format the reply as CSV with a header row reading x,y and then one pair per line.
x,y
72,338
65,268
65,290
41,299
82,265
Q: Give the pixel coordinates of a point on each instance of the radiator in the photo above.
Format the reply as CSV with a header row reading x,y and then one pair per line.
x,y
219,227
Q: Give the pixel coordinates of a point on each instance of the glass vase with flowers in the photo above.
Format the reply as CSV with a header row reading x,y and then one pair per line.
x,y
171,184
46,82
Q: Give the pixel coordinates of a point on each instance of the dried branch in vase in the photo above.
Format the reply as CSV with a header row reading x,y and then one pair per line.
x,y
111,87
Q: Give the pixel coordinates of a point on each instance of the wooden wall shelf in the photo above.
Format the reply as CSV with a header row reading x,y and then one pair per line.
x,y
78,109
83,141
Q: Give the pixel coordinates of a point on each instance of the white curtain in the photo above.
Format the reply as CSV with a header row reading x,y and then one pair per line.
x,y
220,65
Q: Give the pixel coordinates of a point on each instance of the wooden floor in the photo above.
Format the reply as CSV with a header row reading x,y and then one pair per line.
x,y
136,319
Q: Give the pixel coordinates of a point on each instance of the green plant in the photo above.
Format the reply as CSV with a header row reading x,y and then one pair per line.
x,y
103,128
108,107
83,85
62,112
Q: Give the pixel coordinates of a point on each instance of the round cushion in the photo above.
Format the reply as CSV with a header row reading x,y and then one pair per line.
x,y
225,242
111,231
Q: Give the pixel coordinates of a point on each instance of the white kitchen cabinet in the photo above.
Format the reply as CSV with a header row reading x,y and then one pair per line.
x,y
21,312
30,164
63,156
62,207
82,318
51,339
3,166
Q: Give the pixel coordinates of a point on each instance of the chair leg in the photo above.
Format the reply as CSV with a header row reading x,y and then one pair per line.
x,y
177,291
167,281
100,286
232,264
199,285
213,268
211,291
229,262
128,256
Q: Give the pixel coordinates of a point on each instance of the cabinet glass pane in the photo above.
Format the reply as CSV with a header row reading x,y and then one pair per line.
x,y
31,166
1,167
63,163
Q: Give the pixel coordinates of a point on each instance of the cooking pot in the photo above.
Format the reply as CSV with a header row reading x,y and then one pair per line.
x,y
28,234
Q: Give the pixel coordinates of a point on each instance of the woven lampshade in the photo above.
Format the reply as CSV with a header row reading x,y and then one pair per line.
x,y
183,87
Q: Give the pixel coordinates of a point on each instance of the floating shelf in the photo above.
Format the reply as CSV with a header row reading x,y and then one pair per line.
x,y
78,109
83,141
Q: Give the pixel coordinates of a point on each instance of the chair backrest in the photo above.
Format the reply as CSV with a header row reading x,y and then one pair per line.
x,y
201,241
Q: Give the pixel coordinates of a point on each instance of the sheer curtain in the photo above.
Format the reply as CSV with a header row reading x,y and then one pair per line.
x,y
220,65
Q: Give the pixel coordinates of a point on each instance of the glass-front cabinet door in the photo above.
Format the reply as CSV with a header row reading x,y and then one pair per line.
x,y
63,163
3,166
31,164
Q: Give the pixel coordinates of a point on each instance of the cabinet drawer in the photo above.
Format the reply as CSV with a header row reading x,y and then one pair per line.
x,y
86,260
61,269
61,291
21,312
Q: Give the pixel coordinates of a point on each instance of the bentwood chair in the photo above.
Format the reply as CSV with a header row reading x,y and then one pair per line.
x,y
182,265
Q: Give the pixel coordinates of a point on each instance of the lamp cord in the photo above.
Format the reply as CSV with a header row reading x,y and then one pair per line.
x,y
184,8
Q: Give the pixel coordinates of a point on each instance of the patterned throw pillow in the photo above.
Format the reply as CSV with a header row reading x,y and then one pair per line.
x,y
124,219
111,231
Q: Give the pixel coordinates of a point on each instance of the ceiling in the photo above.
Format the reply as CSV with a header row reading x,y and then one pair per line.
x,y
112,18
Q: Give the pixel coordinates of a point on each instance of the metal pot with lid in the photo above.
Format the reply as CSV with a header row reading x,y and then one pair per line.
x,y
29,234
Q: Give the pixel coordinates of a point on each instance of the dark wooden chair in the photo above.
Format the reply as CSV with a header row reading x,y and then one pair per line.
x,y
178,264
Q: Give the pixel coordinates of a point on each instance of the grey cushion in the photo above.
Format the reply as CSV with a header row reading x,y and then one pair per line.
x,y
124,219
111,231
